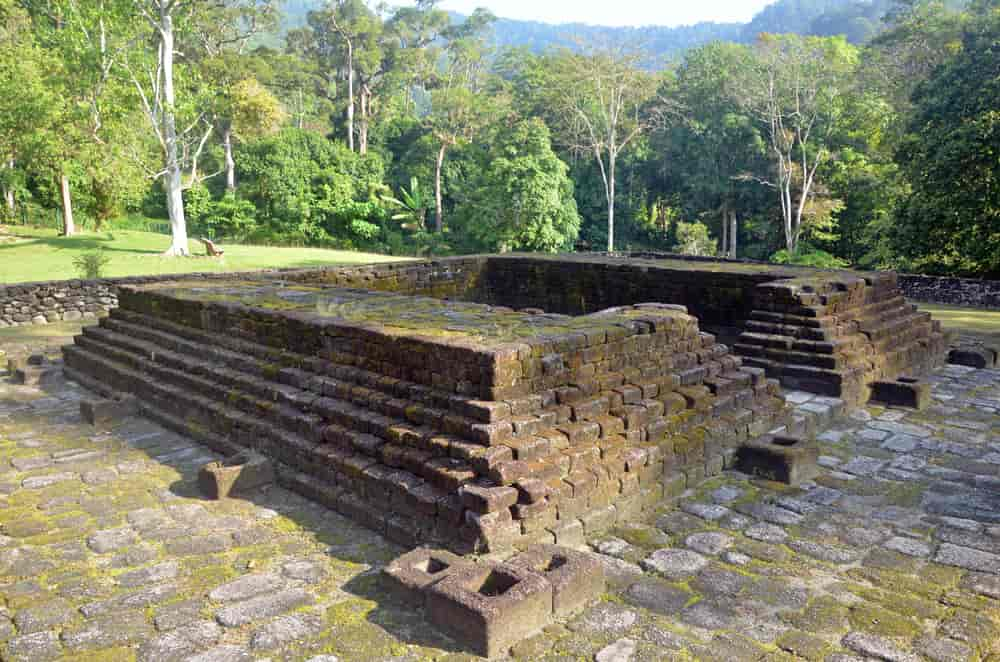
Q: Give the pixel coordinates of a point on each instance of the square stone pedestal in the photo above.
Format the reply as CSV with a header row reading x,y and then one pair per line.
x,y
410,575
577,579
782,459
240,473
489,607
903,392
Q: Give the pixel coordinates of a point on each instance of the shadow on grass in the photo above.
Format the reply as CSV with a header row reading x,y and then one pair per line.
x,y
77,244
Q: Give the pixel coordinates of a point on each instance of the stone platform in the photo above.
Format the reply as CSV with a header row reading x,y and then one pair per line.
x,y
473,426
489,402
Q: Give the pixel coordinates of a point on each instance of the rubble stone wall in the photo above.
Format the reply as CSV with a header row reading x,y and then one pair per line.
x,y
951,291
43,303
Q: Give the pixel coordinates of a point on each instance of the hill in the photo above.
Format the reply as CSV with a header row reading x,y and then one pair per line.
x,y
859,20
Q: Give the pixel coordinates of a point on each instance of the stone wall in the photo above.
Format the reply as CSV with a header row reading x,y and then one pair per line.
x,y
954,291
42,303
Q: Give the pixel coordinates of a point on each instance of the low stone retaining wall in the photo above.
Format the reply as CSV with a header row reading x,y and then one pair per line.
x,y
953,291
22,304
42,303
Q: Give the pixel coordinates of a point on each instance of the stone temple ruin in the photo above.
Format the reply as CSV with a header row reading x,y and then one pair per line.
x,y
493,402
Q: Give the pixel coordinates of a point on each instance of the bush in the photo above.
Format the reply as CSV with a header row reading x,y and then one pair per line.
x,y
810,257
90,264
693,239
311,190
231,217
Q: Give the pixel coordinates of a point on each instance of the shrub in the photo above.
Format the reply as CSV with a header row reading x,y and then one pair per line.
x,y
90,264
810,257
693,239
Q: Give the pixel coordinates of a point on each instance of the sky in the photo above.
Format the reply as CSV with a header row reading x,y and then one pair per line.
x,y
617,12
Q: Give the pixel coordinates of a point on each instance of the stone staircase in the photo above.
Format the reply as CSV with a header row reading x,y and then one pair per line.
x,y
838,337
423,465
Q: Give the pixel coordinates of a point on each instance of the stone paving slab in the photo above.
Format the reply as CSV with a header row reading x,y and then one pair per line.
x,y
108,552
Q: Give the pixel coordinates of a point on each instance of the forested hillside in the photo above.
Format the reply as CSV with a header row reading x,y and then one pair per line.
x,y
858,20
411,132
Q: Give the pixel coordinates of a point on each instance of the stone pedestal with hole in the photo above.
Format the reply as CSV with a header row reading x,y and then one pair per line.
x,y
790,460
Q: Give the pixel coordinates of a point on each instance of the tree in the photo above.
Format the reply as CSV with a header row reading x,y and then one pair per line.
x,y
704,150
211,29
341,38
30,106
457,108
951,220
601,96
523,196
160,106
89,39
794,87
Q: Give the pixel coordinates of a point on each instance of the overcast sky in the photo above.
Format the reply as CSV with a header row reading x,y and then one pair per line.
x,y
617,12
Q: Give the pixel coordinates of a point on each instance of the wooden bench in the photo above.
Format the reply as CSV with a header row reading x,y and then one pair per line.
x,y
211,249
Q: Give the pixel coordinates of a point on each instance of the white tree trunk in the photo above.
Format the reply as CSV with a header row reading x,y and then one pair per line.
x,y
611,203
363,128
227,143
69,227
438,202
725,234
732,235
8,193
172,180
350,95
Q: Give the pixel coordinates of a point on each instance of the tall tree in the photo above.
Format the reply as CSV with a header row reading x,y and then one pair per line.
x,y
704,150
522,197
159,101
603,97
951,221
794,87
458,109
89,39
30,105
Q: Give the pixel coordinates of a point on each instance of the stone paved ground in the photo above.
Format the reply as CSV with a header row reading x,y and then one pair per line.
x,y
107,552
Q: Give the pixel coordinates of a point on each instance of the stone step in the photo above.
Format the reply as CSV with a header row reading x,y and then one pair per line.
x,y
400,492
393,441
400,504
446,461
879,328
313,390
358,418
292,368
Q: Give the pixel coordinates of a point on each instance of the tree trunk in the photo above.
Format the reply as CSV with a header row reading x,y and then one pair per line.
x,y
438,204
8,194
611,204
227,143
69,228
172,180
350,95
302,111
725,232
732,235
363,128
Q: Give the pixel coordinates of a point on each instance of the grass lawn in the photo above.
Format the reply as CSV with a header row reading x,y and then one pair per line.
x,y
971,321
40,254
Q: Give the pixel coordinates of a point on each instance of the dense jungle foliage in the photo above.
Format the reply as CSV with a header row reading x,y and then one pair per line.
x,y
824,132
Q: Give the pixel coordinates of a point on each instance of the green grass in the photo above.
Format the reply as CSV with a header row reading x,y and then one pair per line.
x,y
40,254
972,321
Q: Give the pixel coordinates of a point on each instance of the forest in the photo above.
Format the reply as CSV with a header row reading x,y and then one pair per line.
x,y
826,133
